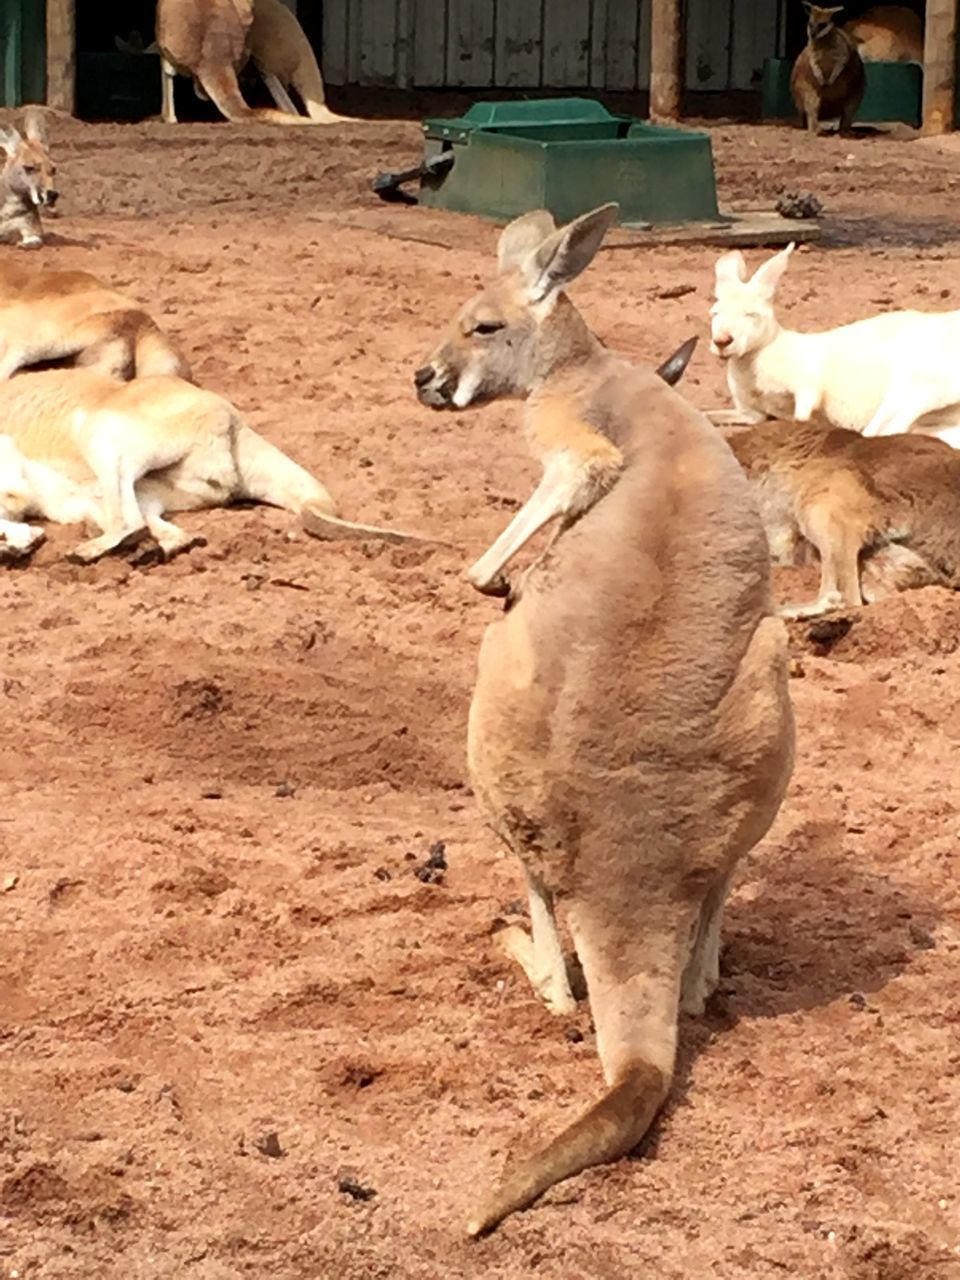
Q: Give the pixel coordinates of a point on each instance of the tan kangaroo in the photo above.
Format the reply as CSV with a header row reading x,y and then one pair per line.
x,y
210,40
56,316
882,514
888,33
630,736
27,180
121,455
285,59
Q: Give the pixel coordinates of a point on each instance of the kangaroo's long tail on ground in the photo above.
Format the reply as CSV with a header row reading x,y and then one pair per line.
x,y
224,90
612,1127
268,475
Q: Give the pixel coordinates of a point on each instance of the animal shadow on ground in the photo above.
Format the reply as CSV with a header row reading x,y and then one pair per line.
x,y
811,927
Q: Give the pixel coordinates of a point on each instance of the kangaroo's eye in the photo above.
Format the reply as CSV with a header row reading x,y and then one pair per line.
x,y
484,330
30,168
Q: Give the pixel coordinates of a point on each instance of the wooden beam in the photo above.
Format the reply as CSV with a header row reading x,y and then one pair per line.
x,y
61,55
666,58
939,66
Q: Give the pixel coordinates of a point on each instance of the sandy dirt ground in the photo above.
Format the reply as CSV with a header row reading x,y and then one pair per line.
x,y
226,994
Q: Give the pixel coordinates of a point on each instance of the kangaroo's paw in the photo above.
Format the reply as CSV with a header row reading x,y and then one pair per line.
x,y
94,548
814,608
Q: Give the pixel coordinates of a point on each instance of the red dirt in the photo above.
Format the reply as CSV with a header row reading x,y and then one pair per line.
x,y
220,775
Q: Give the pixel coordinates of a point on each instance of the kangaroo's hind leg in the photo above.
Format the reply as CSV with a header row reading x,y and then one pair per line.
x,y
541,956
702,974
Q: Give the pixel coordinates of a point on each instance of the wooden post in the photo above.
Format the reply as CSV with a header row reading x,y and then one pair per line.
x,y
666,47
61,55
939,66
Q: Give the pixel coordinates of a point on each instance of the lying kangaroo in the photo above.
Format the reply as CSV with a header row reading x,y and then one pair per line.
x,y
122,455
26,180
883,514
210,40
53,316
630,736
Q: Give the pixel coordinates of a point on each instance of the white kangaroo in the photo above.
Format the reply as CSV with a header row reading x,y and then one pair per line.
x,y
630,736
121,455
881,376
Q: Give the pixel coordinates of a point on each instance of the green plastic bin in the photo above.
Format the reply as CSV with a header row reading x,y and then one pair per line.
x,y
568,155
894,92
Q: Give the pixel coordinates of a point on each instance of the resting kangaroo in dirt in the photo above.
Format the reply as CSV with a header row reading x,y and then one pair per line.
x,y
630,735
211,40
122,455
53,316
883,515
26,181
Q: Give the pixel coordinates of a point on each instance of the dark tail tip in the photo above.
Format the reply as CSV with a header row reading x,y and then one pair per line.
x,y
673,368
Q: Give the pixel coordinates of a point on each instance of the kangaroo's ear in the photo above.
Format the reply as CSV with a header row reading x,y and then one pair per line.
x,y
10,139
731,266
519,238
34,126
769,274
563,255
675,366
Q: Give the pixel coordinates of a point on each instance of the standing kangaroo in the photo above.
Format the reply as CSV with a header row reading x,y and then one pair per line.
x,y
211,40
828,78
630,736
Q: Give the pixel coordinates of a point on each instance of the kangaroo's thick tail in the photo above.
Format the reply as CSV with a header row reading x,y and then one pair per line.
x,y
611,1128
156,353
308,83
224,91
268,475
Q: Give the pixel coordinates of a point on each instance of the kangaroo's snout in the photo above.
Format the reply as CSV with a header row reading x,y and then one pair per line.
x,y
50,197
434,389
722,343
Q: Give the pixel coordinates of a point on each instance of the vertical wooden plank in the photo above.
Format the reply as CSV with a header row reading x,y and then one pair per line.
x,y
665,59
939,66
566,43
333,62
708,44
430,43
753,38
377,42
470,42
61,55
598,44
405,20
620,43
643,45
518,43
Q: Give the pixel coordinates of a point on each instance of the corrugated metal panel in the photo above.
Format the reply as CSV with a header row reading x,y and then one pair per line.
x,y
561,44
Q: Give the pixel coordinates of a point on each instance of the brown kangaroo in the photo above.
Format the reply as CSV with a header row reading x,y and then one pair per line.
x,y
882,514
57,316
630,736
210,40
27,180
828,78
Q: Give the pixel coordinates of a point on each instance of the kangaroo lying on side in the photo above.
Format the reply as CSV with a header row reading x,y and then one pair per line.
x,y
630,735
52,316
882,515
211,40
26,180
881,376
888,33
122,455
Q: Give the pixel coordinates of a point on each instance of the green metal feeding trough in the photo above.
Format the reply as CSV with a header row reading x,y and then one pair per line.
x,y
894,92
567,155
